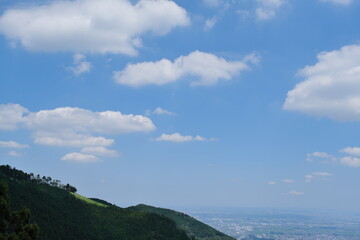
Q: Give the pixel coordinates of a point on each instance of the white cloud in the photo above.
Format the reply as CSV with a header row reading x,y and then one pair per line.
x,y
71,126
331,87
80,158
209,68
107,26
350,161
80,65
271,183
355,151
71,140
288,180
316,175
339,2
177,137
73,119
11,115
12,144
161,111
267,9
100,151
15,154
310,157
293,192
209,23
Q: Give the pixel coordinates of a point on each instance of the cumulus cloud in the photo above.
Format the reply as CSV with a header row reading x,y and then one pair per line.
x,y
100,151
80,158
11,115
12,144
267,9
208,68
177,137
339,2
80,65
331,87
271,183
73,119
73,127
296,193
107,26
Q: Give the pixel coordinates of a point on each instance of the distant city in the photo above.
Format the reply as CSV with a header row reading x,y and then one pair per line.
x,y
281,224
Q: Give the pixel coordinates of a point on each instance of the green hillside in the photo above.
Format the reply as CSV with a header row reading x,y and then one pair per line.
x,y
189,224
64,215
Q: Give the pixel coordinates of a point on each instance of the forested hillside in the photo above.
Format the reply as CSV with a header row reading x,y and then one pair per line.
x,y
61,215
64,215
189,224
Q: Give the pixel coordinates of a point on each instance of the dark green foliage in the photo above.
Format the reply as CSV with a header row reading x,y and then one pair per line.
x,y
190,225
61,215
18,175
15,225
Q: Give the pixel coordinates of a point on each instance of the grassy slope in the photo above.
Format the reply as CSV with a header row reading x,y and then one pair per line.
x,y
189,224
88,200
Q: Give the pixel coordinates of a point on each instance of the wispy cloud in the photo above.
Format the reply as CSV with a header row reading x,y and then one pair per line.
x,y
177,137
267,9
12,144
160,111
80,66
15,154
288,180
339,2
80,158
296,193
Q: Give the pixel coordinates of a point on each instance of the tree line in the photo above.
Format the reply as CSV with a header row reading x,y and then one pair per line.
x,y
30,177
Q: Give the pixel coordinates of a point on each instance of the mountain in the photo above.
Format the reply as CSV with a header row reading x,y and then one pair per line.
x,y
190,225
63,214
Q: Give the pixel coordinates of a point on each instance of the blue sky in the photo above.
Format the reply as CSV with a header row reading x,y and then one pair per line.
x,y
185,103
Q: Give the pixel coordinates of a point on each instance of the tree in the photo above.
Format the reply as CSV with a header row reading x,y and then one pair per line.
x,y
70,188
15,225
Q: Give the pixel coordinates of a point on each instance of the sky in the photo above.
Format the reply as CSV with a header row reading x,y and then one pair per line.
x,y
211,103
